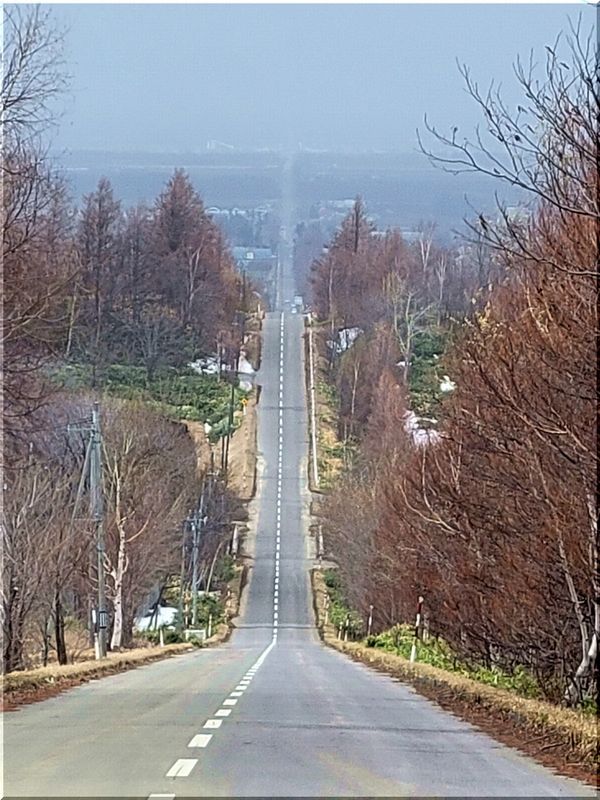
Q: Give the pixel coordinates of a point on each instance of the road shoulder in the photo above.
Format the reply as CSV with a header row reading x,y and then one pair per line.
x,y
560,739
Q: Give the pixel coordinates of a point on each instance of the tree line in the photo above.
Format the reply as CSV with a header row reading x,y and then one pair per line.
x,y
492,517
95,285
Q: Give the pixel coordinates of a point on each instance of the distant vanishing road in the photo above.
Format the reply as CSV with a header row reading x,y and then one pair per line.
x,y
273,712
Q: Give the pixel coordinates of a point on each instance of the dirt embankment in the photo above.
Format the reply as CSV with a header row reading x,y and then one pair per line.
x,y
202,445
241,472
329,447
253,343
559,738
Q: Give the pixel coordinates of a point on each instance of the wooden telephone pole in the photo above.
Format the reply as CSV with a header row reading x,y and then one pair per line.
x,y
97,508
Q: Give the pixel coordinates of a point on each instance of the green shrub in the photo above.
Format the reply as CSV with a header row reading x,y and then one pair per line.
x,y
178,393
170,636
425,372
225,569
437,653
332,579
339,611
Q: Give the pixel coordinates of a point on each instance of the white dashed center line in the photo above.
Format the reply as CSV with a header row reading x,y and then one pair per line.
x,y
200,740
279,479
182,768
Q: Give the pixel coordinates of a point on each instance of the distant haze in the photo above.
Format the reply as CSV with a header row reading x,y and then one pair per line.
x,y
169,78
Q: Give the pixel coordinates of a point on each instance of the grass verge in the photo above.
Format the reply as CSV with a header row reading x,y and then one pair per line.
x,y
559,738
330,450
38,684
31,686
241,472
232,607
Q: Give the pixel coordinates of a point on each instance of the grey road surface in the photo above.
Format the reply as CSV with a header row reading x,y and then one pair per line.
x,y
273,712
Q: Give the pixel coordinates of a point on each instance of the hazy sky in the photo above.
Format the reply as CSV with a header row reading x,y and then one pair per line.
x,y
171,77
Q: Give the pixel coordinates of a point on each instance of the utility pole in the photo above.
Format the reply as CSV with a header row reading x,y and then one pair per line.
x,y
98,517
230,418
194,522
197,521
413,650
313,403
320,547
234,376
181,624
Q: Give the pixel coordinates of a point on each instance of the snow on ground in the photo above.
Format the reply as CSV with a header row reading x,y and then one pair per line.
x,y
165,616
420,436
209,365
244,365
345,339
206,366
447,385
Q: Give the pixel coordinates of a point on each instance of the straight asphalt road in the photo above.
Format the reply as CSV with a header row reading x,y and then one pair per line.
x,y
273,712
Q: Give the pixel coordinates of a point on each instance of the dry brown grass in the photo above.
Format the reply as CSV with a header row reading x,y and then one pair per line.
x,y
577,731
28,685
40,683
559,737
232,607
241,471
201,443
253,344
253,347
328,443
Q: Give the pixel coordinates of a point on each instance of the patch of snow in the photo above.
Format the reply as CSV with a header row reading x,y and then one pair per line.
x,y
420,437
447,385
209,365
345,339
245,366
206,366
411,421
164,616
